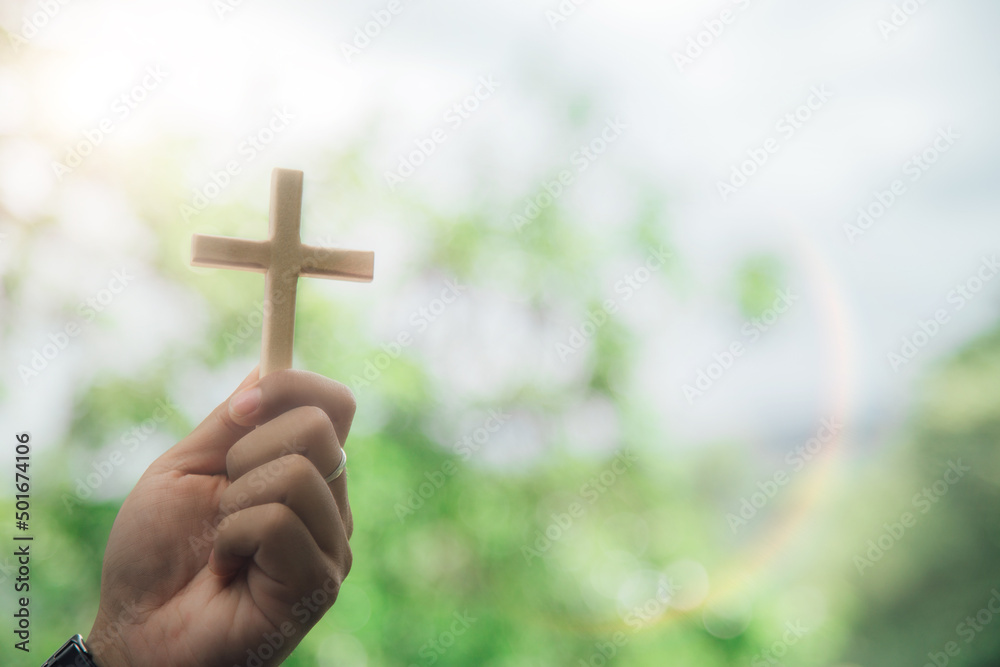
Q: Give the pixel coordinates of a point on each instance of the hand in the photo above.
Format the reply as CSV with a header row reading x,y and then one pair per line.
x,y
232,546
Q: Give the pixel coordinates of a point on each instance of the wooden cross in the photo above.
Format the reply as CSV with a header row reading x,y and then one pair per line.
x,y
282,258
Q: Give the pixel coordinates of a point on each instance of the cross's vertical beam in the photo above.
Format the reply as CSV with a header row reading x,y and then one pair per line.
x,y
283,271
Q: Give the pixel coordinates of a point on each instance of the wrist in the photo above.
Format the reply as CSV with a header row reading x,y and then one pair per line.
x,y
106,646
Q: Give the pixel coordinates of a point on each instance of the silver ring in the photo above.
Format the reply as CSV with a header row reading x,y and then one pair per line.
x,y
340,469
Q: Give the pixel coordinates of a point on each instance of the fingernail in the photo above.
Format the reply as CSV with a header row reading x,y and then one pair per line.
x,y
245,403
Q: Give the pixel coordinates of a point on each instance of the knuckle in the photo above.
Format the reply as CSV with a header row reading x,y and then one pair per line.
x,y
333,579
316,422
299,469
349,523
350,402
276,518
348,563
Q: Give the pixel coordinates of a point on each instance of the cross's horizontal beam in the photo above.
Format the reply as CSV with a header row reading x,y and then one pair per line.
x,y
354,265
223,252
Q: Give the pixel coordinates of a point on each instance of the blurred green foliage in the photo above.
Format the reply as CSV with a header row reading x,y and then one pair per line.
x,y
477,545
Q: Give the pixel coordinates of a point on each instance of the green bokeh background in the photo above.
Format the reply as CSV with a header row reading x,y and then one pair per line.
x,y
465,548
462,549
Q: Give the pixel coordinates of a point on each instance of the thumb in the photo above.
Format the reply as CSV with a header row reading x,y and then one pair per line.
x,y
203,451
